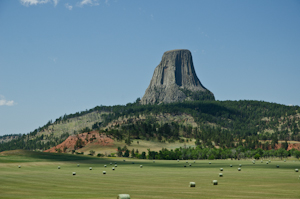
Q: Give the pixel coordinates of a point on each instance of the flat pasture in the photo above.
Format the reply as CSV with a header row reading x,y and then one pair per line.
x,y
39,177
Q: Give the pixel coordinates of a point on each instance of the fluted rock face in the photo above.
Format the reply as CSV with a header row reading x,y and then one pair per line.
x,y
175,80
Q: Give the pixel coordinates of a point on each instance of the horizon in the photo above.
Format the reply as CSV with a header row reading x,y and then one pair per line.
x,y
61,57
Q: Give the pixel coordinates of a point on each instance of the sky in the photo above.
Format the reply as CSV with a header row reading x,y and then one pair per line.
x,y
63,56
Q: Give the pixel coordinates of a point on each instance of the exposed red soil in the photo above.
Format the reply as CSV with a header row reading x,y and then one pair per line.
x,y
294,146
70,142
290,146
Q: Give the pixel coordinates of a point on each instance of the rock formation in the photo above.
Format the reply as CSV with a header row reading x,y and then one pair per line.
x,y
175,80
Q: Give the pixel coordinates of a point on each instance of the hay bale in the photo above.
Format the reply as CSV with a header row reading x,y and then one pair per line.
x,y
104,165
58,167
215,182
115,162
110,163
78,165
132,162
190,164
19,166
277,166
141,166
113,168
296,170
74,173
261,161
186,162
220,174
221,169
123,196
267,162
177,160
123,160
230,165
153,161
184,166
116,165
91,168
209,163
240,165
239,169
104,172
192,184
284,160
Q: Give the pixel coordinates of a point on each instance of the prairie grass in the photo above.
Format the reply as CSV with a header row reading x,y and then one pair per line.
x,y
165,179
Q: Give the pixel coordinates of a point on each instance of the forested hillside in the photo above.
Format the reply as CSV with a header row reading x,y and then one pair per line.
x,y
250,124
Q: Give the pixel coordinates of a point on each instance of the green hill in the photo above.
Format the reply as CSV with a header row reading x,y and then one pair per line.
x,y
211,123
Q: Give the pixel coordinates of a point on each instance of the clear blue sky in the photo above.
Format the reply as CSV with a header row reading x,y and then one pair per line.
x,y
64,56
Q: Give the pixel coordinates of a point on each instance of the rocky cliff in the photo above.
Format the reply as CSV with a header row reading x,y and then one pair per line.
x,y
175,80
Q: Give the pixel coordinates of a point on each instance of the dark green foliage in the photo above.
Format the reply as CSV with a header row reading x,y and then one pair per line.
x,y
214,153
199,95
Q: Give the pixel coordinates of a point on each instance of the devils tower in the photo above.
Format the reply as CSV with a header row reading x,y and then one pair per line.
x,y
175,80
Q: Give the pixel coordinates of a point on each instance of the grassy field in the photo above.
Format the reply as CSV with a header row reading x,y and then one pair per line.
x,y
39,177
142,146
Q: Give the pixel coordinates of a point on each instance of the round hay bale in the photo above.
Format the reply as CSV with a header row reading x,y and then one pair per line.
x,y
194,161
91,168
253,162
58,167
261,161
190,164
215,182
240,165
153,161
115,162
78,165
19,166
209,163
104,165
239,169
184,166
74,173
296,170
104,172
186,162
220,174
221,169
284,160
177,160
230,165
192,184
123,160
277,166
132,162
267,162
141,166
113,168
116,165
110,163
123,196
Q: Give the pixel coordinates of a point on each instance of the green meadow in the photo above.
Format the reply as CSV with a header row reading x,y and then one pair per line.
x,y
39,177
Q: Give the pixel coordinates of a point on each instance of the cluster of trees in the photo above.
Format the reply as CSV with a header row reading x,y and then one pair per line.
x,y
30,142
145,130
221,153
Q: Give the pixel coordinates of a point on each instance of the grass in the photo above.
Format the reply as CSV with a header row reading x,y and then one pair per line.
x,y
40,178
142,146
